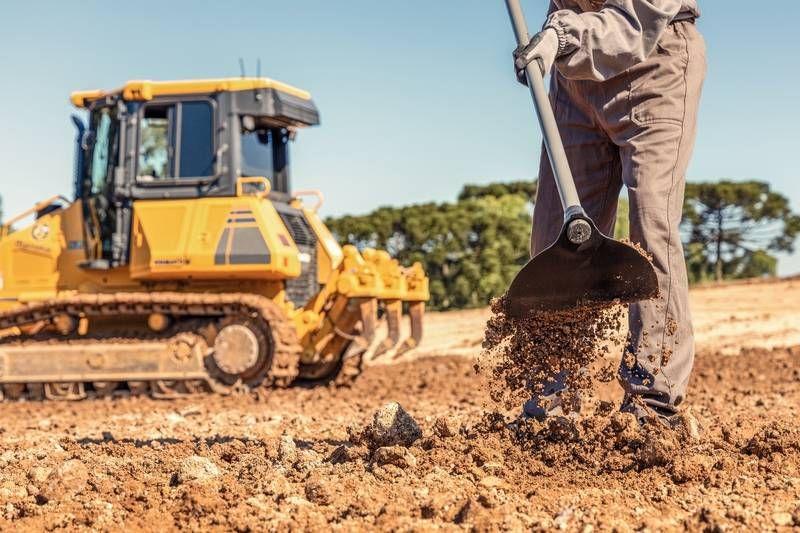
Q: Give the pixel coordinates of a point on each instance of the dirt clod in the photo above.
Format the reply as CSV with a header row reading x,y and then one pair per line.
x,y
197,469
445,427
391,425
65,481
287,451
398,456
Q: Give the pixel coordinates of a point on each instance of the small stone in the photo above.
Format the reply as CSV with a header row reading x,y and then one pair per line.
x,y
493,468
287,451
45,424
686,422
174,418
395,455
38,474
782,519
347,454
197,469
562,520
297,501
392,425
626,427
68,479
318,490
191,410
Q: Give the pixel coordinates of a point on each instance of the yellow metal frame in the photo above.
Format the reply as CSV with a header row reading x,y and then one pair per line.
x,y
263,190
144,90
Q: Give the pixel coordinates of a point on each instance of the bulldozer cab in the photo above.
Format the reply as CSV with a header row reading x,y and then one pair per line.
x,y
175,140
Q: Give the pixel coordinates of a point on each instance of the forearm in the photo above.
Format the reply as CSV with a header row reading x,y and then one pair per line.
x,y
600,45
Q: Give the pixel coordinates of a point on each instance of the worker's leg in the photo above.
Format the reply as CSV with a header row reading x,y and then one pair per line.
x,y
594,161
656,137
595,164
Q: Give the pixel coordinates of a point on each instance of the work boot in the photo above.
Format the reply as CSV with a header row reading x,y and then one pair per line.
x,y
563,402
645,413
555,399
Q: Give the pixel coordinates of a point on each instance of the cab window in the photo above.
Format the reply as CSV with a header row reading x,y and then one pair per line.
x,y
176,141
102,151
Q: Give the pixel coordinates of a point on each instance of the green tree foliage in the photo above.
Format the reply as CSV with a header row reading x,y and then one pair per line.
x,y
471,249
730,228
526,189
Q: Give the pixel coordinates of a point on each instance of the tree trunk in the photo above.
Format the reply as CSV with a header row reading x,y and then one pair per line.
x,y
718,265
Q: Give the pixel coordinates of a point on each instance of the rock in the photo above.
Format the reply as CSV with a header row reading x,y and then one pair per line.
x,y
445,427
395,455
191,410
782,519
493,468
347,454
297,501
392,425
287,451
658,450
68,479
38,474
563,519
174,418
319,491
687,424
626,428
45,424
197,469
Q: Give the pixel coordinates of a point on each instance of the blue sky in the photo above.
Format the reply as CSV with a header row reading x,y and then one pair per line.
x,y
417,97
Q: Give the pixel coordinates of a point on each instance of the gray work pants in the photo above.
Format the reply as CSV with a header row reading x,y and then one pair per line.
x,y
637,129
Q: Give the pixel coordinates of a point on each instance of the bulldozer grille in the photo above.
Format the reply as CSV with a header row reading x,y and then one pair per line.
x,y
301,289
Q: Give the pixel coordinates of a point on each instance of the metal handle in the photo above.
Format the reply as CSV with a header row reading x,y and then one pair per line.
x,y
544,111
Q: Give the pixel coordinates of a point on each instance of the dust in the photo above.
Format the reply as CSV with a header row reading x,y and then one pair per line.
x,y
521,356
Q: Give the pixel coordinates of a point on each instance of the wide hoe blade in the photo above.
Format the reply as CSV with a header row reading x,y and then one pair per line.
x,y
565,275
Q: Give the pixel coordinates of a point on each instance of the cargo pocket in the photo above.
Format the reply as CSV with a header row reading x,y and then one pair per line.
x,y
658,85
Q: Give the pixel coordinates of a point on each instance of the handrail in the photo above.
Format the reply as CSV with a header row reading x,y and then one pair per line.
x,y
311,192
260,180
6,226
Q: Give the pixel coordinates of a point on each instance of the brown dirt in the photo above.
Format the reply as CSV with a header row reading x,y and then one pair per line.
x,y
521,355
308,457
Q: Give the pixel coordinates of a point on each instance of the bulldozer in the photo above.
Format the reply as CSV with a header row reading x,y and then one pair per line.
x,y
185,262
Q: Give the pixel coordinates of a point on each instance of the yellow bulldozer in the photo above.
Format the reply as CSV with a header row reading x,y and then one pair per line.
x,y
185,262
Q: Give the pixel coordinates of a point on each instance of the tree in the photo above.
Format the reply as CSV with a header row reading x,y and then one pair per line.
x,y
732,228
526,189
470,249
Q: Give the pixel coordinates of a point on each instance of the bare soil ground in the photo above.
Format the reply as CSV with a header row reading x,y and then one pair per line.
x,y
297,458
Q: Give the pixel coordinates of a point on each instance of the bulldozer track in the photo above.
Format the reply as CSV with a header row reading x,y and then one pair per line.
x,y
36,323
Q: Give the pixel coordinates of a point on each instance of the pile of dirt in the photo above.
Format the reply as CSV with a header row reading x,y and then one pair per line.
x,y
523,356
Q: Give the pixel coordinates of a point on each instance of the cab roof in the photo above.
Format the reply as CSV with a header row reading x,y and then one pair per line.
x,y
144,90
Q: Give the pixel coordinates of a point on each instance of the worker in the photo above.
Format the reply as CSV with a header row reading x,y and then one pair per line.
x,y
625,92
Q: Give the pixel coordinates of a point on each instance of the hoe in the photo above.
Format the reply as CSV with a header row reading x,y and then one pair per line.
x,y
583,265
